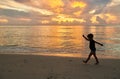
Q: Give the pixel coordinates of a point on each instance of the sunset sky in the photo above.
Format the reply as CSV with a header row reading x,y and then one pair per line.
x,y
59,12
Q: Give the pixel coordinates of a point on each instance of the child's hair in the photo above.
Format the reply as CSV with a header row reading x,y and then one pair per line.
x,y
90,35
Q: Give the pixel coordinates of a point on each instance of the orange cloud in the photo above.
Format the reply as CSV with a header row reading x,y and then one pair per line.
x,y
77,13
66,18
79,4
25,19
109,18
59,11
45,22
93,20
54,5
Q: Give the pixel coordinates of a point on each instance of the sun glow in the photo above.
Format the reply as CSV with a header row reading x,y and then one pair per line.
x,y
93,20
25,19
67,19
45,22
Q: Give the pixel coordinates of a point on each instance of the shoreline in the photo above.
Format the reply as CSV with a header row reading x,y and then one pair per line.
x,y
52,67
67,55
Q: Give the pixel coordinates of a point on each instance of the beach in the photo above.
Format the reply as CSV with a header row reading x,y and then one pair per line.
x,y
50,52
53,67
54,39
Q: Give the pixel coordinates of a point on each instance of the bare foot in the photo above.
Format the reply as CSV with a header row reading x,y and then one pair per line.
x,y
84,61
96,63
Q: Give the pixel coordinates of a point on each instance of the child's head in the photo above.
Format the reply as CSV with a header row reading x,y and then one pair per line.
x,y
90,36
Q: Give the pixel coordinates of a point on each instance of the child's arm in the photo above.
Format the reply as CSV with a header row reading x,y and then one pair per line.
x,y
98,43
86,38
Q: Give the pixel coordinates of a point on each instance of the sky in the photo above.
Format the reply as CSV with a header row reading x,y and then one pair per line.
x,y
71,12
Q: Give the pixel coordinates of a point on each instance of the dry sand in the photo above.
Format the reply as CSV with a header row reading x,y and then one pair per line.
x,y
50,67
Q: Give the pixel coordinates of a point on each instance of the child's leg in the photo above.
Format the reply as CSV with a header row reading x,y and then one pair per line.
x,y
96,58
89,56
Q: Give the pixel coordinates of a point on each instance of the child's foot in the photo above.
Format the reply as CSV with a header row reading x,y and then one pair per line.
x,y
84,62
96,63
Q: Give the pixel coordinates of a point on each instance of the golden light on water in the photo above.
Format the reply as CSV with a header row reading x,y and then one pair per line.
x,y
63,41
3,21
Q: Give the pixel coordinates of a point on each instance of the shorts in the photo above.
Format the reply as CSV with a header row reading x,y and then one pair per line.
x,y
93,50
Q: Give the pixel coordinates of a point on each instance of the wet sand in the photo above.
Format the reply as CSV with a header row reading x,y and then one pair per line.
x,y
51,67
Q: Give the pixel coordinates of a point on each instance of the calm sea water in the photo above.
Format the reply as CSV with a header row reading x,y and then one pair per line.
x,y
59,40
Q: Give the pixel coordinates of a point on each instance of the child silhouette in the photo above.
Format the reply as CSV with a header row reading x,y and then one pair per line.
x,y
92,48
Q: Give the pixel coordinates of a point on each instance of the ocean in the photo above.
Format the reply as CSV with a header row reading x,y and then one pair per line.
x,y
66,41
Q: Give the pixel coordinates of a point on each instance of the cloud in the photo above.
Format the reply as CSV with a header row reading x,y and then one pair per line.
x,y
48,11
52,5
113,7
100,20
12,5
13,13
114,3
23,1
